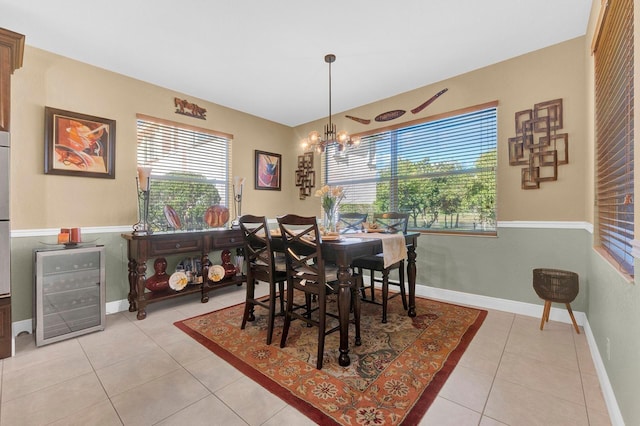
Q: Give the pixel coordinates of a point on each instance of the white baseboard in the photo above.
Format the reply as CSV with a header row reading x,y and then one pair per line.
x,y
605,385
486,302
24,326
117,306
521,308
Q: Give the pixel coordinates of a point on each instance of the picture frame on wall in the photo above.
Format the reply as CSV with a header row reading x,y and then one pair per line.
x,y
268,170
79,144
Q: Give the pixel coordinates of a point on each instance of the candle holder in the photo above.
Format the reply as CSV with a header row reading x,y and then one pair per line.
x,y
238,183
143,227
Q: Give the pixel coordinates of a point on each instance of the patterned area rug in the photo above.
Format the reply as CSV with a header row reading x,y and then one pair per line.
x,y
394,375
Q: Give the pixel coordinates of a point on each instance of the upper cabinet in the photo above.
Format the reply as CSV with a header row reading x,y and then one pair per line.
x,y
11,53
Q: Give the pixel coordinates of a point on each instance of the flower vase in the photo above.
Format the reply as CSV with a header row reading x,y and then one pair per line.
x,y
330,220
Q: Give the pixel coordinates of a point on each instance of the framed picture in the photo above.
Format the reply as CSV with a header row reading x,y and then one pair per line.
x,y
268,170
78,144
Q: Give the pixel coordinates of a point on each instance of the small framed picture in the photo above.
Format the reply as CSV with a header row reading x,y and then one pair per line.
x,y
78,144
268,170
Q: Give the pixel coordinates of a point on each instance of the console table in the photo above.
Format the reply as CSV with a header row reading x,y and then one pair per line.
x,y
141,248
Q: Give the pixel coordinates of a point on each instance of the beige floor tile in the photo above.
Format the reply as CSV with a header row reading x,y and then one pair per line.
x,y
475,360
490,350
209,411
250,401
289,416
30,356
54,403
593,394
488,421
100,414
118,348
555,348
165,334
24,381
157,374
114,330
541,376
446,413
491,333
156,400
136,371
468,388
515,404
185,350
585,359
214,372
195,309
499,320
162,316
597,418
557,332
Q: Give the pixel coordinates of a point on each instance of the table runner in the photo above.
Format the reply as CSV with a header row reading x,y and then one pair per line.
x,y
394,248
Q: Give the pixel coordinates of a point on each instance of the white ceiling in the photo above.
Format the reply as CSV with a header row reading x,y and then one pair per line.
x,y
266,57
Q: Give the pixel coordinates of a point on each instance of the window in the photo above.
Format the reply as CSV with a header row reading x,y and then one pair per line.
x,y
190,170
441,171
613,51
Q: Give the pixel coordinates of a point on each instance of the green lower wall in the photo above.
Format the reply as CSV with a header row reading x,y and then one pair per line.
x,y
22,269
614,313
116,269
495,267
502,266
499,267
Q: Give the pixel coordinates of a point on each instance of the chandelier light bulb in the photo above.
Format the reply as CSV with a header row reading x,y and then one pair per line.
x,y
314,137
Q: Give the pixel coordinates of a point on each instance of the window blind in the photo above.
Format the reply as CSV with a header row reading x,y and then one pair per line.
x,y
190,169
614,99
441,172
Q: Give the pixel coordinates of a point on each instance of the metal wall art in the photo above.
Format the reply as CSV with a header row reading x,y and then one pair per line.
x,y
305,176
538,144
185,107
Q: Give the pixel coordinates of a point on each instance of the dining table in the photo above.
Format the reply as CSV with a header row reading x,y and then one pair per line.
x,y
342,252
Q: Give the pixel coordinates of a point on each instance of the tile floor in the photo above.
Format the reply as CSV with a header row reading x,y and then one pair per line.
x,y
150,373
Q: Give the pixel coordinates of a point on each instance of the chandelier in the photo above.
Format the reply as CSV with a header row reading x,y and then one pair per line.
x,y
319,142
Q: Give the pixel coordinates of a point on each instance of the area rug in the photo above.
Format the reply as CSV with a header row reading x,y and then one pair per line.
x,y
394,375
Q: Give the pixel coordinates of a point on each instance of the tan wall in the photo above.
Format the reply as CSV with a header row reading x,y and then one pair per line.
x,y
52,201
51,80
518,84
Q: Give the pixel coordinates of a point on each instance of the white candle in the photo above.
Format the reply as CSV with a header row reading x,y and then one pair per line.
x,y
238,182
143,177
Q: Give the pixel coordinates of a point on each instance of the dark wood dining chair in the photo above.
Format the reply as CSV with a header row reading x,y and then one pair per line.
x,y
262,265
392,223
351,222
308,272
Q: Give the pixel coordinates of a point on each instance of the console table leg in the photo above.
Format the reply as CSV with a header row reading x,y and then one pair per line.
x,y
133,279
139,290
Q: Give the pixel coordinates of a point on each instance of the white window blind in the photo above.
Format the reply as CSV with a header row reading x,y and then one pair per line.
x,y
614,95
190,170
442,172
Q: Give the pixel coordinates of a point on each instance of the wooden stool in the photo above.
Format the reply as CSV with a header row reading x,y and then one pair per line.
x,y
555,285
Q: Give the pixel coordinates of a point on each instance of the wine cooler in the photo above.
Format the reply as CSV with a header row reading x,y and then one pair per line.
x,y
69,292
